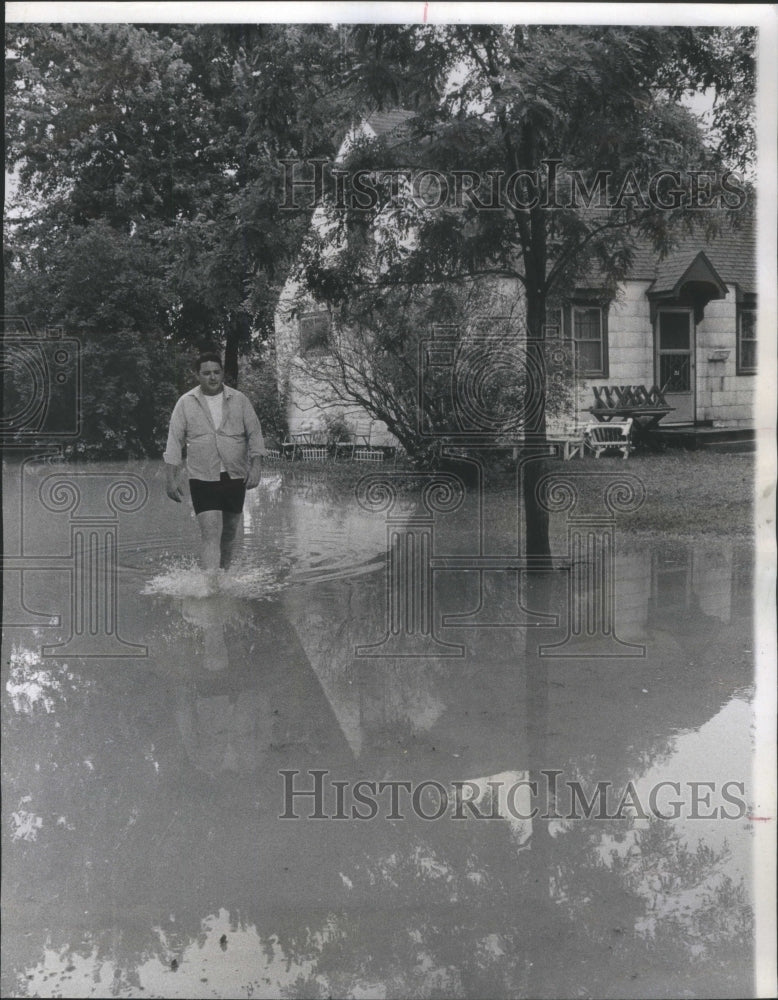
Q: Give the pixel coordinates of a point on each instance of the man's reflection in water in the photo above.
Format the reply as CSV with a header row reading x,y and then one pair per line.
x,y
224,719
413,908
210,614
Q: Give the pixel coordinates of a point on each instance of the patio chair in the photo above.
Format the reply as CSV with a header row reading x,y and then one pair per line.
x,y
359,437
571,437
614,434
292,443
399,454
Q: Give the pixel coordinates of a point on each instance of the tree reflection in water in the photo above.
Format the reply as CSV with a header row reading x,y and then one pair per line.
x,y
158,790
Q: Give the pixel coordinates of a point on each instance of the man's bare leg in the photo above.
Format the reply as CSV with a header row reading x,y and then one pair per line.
x,y
230,524
210,522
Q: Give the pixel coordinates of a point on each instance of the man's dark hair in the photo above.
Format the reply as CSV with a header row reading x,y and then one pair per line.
x,y
207,356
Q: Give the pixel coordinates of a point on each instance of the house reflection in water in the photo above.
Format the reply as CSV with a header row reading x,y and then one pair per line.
x,y
711,580
145,801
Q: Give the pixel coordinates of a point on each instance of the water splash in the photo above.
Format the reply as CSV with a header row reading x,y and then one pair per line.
x,y
186,579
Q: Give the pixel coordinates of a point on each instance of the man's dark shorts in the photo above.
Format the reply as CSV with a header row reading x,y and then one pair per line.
x,y
226,494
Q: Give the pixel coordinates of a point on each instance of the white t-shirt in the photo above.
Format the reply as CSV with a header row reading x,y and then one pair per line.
x,y
215,405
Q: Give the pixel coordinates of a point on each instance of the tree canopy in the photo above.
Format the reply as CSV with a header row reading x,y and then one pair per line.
x,y
538,154
148,211
145,160
549,151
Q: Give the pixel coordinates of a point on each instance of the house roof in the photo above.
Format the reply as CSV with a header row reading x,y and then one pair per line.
x,y
377,125
732,254
388,122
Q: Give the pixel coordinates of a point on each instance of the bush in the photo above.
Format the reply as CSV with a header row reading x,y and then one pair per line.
x,y
128,390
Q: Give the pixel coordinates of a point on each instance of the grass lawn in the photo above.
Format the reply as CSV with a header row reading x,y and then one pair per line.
x,y
687,492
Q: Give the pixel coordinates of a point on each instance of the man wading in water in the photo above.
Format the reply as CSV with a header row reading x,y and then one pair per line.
x,y
224,449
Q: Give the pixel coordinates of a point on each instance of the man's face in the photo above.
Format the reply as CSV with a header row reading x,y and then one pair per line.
x,y
211,378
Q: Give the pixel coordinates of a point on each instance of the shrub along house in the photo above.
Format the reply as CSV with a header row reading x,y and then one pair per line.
x,y
685,323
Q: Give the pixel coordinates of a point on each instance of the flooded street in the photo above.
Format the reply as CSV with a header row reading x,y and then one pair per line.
x,y
387,758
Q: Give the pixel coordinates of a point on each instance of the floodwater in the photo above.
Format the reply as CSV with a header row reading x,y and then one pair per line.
x,y
153,732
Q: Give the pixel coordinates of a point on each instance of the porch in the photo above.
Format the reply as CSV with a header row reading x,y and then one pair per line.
x,y
697,436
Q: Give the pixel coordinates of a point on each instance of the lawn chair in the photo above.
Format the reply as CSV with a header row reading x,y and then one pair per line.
x,y
359,437
292,443
571,438
614,434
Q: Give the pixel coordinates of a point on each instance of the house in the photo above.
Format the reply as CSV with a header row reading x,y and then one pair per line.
x,y
304,328
685,323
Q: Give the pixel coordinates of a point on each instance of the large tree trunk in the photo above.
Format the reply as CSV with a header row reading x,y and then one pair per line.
x,y
231,358
535,517
238,335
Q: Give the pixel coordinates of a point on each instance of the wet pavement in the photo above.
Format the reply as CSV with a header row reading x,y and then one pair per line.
x,y
566,754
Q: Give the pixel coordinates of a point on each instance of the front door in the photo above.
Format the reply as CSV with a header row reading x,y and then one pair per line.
x,y
675,362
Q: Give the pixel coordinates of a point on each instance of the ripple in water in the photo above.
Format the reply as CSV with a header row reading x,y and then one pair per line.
x,y
182,577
